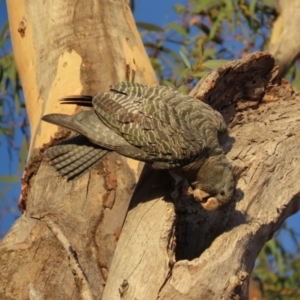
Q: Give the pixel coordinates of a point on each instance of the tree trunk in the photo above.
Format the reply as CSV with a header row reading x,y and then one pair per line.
x,y
63,48
170,248
285,42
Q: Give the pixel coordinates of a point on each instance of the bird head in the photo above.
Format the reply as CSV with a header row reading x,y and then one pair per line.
x,y
215,183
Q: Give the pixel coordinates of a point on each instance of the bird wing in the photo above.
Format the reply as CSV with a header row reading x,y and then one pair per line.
x,y
154,124
147,119
193,111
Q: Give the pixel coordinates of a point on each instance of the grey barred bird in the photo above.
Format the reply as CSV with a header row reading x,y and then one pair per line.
x,y
157,125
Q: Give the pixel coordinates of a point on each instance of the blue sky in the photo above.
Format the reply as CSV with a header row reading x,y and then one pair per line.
x,y
150,11
9,193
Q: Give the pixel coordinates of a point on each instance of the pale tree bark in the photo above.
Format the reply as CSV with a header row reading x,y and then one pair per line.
x,y
285,41
63,48
169,248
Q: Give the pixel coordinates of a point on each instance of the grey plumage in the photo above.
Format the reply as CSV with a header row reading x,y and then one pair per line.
x,y
157,125
74,157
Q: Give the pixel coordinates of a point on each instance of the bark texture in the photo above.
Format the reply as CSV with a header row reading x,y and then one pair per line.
x,y
285,42
176,250
170,248
62,246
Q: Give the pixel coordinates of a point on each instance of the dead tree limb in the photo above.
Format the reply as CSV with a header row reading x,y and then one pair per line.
x,y
170,248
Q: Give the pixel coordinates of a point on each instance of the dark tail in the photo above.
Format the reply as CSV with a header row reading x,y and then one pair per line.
x,y
80,100
74,157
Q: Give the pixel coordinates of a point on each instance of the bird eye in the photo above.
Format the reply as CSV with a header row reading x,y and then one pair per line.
x,y
222,193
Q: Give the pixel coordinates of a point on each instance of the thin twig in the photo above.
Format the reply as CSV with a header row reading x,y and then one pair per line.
x,y
79,276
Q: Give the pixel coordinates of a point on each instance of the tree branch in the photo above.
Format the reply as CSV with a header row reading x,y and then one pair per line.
x,y
213,253
285,42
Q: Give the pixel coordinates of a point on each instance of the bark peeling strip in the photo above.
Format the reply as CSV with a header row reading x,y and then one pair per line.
x,y
79,276
34,294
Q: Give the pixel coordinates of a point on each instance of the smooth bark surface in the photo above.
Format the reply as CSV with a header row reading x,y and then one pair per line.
x,y
285,42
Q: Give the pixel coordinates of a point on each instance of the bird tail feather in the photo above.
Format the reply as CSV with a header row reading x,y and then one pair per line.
x,y
75,157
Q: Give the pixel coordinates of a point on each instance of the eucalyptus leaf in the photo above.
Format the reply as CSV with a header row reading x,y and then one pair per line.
x,y
202,5
149,26
23,155
180,29
169,84
215,63
9,179
252,6
179,8
185,60
200,74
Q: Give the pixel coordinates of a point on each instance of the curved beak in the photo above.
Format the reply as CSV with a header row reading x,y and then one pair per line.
x,y
211,204
208,202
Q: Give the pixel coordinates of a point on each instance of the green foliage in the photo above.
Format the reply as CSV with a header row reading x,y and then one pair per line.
x,y
149,27
9,179
9,79
12,111
278,268
207,31
10,88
